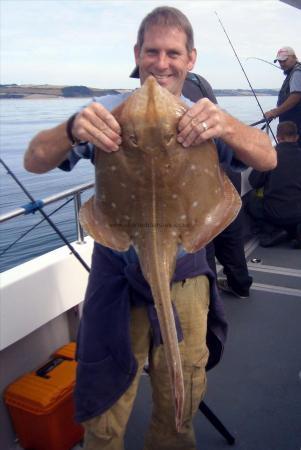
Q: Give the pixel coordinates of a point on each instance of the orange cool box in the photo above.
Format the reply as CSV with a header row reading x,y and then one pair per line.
x,y
41,404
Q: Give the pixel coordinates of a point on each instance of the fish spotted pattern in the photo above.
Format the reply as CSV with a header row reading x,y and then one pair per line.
x,y
156,195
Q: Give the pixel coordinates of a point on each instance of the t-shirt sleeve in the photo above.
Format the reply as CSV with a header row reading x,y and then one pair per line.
x,y
295,82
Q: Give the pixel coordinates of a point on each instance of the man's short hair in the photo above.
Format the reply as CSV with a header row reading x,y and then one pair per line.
x,y
287,129
169,17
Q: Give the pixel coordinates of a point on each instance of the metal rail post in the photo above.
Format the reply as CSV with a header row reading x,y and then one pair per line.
x,y
79,229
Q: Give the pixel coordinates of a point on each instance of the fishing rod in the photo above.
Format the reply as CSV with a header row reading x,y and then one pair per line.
x,y
242,68
267,62
260,121
38,205
257,123
265,123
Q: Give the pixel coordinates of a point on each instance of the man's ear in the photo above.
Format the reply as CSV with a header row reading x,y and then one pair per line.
x,y
136,53
192,59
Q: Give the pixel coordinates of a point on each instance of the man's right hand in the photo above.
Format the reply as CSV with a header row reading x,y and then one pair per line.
x,y
272,114
97,125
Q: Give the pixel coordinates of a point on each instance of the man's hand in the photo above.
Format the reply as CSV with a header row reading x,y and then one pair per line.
x,y
97,125
291,101
204,120
272,114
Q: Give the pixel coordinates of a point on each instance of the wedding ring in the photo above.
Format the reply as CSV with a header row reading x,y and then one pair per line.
x,y
205,126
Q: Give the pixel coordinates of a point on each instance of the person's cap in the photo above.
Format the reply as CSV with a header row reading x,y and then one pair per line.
x,y
284,53
135,73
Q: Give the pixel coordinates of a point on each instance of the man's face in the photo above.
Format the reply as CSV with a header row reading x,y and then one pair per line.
x,y
288,63
164,55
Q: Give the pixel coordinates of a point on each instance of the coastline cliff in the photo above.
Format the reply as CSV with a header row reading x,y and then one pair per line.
x,y
30,91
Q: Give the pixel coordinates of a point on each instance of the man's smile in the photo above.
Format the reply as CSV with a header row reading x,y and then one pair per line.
x,y
161,78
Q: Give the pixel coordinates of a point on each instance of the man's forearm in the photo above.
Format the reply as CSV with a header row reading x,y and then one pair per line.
x,y
47,150
94,124
250,145
205,120
289,103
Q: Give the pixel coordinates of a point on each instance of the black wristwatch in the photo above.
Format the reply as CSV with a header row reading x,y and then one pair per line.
x,y
74,141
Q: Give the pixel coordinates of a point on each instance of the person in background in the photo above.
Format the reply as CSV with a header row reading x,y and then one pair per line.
x,y
116,331
289,97
230,252
228,246
279,209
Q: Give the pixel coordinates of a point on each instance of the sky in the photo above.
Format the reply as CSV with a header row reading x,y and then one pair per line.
x,y
90,42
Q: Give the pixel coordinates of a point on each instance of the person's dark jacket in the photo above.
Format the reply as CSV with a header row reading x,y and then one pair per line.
x,y
106,365
282,185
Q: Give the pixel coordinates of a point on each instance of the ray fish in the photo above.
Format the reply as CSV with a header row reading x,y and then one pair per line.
x,y
156,195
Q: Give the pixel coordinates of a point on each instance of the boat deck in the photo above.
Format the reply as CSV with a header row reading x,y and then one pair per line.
x,y
256,389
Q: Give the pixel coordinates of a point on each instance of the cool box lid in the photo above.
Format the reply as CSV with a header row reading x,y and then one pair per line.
x,y
43,390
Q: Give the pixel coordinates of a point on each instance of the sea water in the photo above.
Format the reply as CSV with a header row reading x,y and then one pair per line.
x,y
20,120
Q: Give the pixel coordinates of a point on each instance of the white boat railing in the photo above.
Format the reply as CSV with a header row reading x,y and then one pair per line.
x,y
37,291
32,207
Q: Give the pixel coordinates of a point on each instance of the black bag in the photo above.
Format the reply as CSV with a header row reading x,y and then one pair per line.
x,y
197,87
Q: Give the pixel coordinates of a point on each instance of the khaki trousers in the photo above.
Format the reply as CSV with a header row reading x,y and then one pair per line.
x,y
106,432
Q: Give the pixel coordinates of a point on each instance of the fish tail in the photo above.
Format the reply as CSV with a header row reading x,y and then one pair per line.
x,y
156,268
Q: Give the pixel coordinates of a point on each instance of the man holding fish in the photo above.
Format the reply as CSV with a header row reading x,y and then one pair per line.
x,y
160,197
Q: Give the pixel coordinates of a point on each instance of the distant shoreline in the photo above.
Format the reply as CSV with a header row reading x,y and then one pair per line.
x,y
32,92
